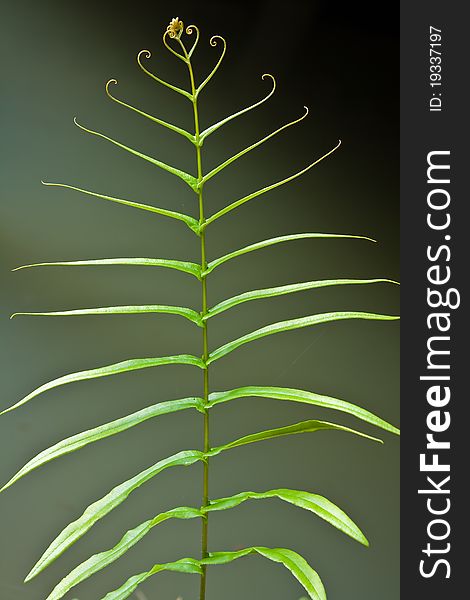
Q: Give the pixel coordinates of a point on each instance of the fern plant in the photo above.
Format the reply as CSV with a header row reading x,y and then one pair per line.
x,y
175,41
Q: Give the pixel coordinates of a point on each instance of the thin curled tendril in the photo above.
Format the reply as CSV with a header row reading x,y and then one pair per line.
x,y
216,126
168,47
189,30
148,54
253,146
170,126
213,42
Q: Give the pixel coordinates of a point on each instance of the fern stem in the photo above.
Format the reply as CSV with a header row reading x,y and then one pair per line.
x,y
204,311
205,356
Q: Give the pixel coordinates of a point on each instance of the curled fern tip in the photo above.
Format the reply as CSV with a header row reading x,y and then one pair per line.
x,y
175,28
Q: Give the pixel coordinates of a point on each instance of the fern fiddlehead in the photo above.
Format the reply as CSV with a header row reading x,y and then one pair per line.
x,y
174,41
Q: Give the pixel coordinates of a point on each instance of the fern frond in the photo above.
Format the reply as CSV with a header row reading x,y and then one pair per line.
x,y
174,41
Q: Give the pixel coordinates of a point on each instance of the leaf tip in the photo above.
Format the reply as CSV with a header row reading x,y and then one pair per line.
x,y
75,120
147,53
29,576
264,75
34,571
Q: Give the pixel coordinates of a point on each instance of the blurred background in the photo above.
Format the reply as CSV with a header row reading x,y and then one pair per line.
x,y
339,59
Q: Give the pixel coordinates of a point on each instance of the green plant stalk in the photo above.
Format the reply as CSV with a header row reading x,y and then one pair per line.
x,y
204,311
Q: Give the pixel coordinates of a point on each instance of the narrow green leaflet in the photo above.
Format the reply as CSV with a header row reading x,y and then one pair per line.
x,y
277,240
96,511
213,42
182,57
294,395
179,265
299,568
297,565
99,561
170,126
216,126
78,441
238,203
294,324
120,367
190,221
184,565
190,30
286,289
188,313
148,54
186,177
319,505
310,426
232,159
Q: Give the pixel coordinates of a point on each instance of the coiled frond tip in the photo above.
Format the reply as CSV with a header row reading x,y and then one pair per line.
x,y
147,53
175,28
214,38
108,83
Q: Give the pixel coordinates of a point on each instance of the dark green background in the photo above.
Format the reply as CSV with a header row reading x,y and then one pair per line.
x,y
340,61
